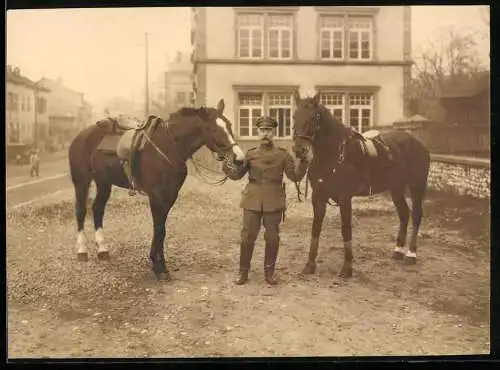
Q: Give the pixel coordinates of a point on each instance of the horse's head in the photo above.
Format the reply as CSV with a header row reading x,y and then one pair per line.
x,y
307,117
218,133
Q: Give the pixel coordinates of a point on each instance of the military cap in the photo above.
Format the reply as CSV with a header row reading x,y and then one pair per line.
x,y
266,122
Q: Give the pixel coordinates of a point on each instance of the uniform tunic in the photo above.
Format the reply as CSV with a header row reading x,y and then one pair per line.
x,y
265,166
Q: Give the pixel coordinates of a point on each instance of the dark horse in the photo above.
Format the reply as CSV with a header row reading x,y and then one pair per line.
x,y
160,170
341,167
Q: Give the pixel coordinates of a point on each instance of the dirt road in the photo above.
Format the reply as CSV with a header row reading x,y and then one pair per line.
x,y
58,307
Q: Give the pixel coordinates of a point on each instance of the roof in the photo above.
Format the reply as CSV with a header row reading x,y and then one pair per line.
x,y
21,80
465,85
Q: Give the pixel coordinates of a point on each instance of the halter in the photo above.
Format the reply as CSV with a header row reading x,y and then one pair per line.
x,y
316,125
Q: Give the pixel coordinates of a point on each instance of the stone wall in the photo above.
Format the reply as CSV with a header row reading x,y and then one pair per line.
x,y
460,175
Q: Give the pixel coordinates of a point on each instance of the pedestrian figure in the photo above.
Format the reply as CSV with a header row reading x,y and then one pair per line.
x,y
263,199
34,163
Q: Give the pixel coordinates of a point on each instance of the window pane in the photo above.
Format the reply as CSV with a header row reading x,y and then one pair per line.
x,y
353,45
256,113
337,113
256,43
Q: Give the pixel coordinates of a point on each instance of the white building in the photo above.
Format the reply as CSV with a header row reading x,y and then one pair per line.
x,y
358,58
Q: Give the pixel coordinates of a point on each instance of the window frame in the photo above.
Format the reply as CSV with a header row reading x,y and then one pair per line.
x,y
280,30
347,92
348,13
359,32
331,31
261,27
281,106
359,108
265,12
250,108
265,91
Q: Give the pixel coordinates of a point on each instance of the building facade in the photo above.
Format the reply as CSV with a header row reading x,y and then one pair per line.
x,y
358,58
26,108
68,114
179,83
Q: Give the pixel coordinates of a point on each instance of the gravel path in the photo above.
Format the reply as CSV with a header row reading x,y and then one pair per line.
x,y
59,307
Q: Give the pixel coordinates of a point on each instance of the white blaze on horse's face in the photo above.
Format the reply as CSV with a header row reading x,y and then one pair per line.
x,y
240,155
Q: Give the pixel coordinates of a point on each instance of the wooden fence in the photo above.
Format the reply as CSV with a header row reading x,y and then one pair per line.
x,y
441,138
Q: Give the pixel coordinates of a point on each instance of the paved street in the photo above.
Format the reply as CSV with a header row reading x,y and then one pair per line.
x,y
23,189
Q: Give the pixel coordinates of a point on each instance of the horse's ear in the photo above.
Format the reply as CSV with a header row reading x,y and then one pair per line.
x,y
315,99
221,106
296,97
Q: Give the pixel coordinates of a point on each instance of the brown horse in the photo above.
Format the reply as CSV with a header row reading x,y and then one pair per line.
x,y
159,171
345,164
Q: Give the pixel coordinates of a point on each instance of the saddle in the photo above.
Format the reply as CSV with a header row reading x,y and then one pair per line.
x,y
373,147
126,137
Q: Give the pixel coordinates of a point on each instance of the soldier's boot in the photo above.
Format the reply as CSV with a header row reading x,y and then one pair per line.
x,y
270,255
246,252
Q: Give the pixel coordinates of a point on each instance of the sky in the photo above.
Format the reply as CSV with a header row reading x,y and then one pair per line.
x,y
101,52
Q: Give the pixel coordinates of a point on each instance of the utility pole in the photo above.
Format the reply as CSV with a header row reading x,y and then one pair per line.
x,y
147,77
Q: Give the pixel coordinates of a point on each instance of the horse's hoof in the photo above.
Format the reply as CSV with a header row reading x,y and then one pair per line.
x,y
103,256
346,272
83,257
398,256
309,269
163,276
409,260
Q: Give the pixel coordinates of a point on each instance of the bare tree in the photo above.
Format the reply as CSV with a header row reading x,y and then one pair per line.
x,y
452,55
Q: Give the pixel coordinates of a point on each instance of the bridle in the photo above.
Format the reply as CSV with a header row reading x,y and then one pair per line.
x,y
316,125
180,159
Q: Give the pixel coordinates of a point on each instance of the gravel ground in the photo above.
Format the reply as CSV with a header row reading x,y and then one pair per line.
x,y
59,307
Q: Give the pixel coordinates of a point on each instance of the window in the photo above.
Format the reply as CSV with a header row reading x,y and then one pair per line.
x,y
250,108
22,103
181,97
332,37
360,38
11,101
41,105
335,103
280,36
250,35
275,104
351,108
28,104
280,108
360,111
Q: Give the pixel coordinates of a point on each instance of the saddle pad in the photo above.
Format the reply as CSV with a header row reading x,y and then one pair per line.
x,y
124,144
109,142
370,134
371,151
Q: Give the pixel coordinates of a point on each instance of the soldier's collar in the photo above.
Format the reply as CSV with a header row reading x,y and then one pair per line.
x,y
267,146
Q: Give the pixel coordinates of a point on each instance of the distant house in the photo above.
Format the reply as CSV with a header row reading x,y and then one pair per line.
x,y
466,99
26,108
179,82
68,110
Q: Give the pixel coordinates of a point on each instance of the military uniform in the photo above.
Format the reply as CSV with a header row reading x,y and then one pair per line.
x,y
263,199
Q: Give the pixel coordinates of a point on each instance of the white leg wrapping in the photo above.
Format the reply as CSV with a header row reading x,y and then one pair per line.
x,y
411,254
81,242
99,239
399,250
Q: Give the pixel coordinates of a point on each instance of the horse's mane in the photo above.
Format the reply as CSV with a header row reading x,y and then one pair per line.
x,y
333,125
187,112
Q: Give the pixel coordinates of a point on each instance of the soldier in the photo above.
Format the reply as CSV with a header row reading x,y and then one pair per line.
x,y
34,163
264,199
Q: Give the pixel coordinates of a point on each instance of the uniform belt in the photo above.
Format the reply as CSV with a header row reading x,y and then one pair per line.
x,y
264,182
